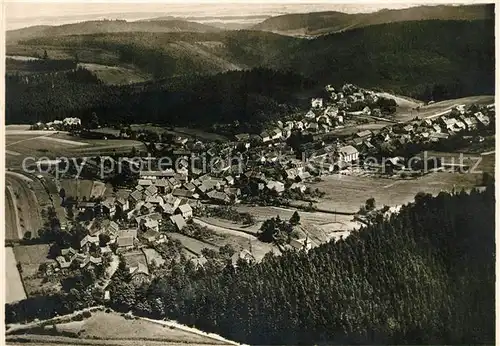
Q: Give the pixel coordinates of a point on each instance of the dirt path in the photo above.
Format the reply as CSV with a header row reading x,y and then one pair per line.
x,y
224,230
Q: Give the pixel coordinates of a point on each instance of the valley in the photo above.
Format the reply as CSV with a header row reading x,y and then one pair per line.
x,y
322,177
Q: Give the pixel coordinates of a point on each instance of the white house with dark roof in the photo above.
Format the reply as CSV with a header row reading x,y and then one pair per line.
x,y
185,210
265,137
348,153
178,221
317,103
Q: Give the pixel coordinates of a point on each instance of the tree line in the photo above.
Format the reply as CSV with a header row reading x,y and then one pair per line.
x,y
423,276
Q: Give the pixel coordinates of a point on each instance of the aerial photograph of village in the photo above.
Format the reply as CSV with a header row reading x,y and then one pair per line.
x,y
249,174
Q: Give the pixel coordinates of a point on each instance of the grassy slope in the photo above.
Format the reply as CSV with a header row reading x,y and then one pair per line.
x,y
318,23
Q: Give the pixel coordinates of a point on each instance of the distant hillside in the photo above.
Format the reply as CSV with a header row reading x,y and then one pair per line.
x,y
423,59
409,58
319,23
107,26
233,101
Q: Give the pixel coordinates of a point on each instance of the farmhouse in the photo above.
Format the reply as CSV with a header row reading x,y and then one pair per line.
x,y
364,134
220,197
185,210
178,221
317,103
348,154
301,244
265,137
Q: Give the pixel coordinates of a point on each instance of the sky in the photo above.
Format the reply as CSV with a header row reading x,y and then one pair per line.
x,y
21,14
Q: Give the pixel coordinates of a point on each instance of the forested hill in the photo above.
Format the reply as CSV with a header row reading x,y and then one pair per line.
x,y
236,100
104,26
409,58
426,276
320,23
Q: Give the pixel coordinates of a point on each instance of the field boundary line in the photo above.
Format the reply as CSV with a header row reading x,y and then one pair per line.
x,y
63,141
27,139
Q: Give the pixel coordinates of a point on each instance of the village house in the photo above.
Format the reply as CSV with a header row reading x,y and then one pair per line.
x,y
152,175
310,115
366,134
299,125
139,274
471,123
178,221
125,239
277,186
243,138
185,210
481,118
298,187
87,241
301,244
265,137
317,103
219,197
123,203
348,154
182,193
145,183
276,134
109,207
150,235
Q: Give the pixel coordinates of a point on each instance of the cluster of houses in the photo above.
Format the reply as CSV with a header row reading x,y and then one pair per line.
x,y
67,124
325,115
265,163
458,120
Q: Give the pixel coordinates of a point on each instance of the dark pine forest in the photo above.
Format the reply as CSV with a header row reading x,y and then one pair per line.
x,y
423,276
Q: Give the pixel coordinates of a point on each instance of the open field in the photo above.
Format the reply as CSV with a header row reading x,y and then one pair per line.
x,y
30,257
263,213
38,144
62,141
32,254
350,130
14,286
404,115
17,127
49,184
78,188
200,134
227,224
113,326
113,329
349,193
